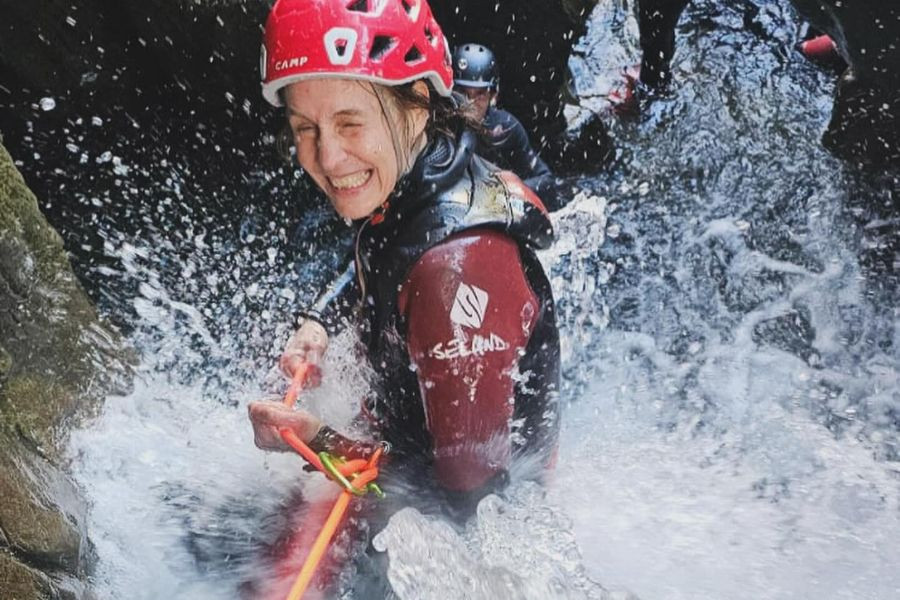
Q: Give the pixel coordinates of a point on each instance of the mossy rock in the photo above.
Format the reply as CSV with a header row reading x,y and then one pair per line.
x,y
21,582
32,407
5,364
18,581
58,359
41,515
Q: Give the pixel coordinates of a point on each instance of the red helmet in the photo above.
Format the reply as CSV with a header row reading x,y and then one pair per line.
x,y
384,41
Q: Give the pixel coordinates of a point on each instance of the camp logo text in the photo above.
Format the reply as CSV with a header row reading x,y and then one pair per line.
x,y
290,63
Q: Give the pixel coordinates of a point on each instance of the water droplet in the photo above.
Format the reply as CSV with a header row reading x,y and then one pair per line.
x,y
47,104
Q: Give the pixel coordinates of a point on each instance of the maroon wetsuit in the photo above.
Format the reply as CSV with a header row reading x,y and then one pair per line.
x,y
469,313
458,319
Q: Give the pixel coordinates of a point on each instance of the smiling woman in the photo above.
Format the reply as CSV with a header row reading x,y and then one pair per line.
x,y
342,131
456,312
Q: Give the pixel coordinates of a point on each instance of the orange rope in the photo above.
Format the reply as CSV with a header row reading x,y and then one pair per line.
x,y
365,471
319,547
290,398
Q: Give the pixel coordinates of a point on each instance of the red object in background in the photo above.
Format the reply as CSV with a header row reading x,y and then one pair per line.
x,y
623,100
821,48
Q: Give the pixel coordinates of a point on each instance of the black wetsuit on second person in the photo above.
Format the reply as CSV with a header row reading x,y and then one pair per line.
x,y
506,144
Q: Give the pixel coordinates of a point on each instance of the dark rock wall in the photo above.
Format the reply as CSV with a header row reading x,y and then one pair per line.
x,y
126,53
165,63
171,59
156,64
57,361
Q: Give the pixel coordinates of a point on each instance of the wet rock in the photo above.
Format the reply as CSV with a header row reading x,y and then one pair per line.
x,y
57,361
42,514
130,65
5,364
60,356
23,582
205,52
198,46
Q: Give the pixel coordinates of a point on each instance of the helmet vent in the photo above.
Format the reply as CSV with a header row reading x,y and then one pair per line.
x,y
340,42
412,8
412,56
359,6
381,45
429,34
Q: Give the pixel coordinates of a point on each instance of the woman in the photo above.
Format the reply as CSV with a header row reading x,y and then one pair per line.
x,y
456,311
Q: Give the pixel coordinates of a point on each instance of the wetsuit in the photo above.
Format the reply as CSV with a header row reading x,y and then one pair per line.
x,y
656,22
506,145
458,319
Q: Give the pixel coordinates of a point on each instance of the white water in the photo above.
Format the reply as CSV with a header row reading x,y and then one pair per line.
x,y
766,505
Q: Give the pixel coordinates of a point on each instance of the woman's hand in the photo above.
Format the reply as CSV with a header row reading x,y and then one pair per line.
x,y
306,346
269,417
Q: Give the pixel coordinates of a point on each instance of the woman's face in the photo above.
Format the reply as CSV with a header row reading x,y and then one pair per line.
x,y
344,141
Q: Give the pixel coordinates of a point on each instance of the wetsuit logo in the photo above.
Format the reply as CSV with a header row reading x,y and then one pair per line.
x,y
461,348
469,306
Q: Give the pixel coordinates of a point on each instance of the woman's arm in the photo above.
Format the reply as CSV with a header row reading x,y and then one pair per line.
x,y
306,347
470,313
268,417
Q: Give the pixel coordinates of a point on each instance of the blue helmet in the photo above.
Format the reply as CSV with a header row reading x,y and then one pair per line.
x,y
474,66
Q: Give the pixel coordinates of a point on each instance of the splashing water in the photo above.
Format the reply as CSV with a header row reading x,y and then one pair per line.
x,y
727,297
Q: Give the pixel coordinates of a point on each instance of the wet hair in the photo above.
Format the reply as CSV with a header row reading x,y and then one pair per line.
x,y
446,116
